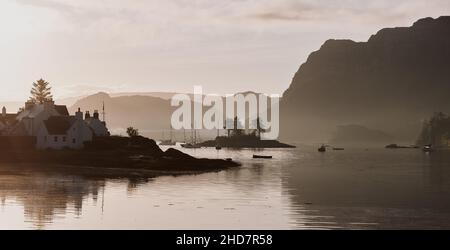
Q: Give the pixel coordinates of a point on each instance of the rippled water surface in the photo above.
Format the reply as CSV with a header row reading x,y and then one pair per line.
x,y
299,188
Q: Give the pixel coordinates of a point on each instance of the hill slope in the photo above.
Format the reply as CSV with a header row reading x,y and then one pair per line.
x,y
391,82
143,112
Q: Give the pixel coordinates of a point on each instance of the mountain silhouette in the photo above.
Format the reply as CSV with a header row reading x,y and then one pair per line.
x,y
151,115
389,83
148,114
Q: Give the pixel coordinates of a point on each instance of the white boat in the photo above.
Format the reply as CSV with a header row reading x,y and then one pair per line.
x,y
427,148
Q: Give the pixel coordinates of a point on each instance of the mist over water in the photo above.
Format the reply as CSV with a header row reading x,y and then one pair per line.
x,y
299,188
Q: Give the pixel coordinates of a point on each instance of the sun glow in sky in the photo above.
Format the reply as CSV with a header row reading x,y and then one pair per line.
x,y
84,46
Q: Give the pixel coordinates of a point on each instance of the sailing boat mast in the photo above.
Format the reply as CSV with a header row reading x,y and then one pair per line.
x,y
103,112
195,136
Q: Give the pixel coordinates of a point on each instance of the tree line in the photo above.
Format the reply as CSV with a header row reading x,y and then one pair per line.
x,y
435,131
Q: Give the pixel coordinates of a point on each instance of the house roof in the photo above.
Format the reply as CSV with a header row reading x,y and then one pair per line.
x,y
8,118
58,125
39,108
62,110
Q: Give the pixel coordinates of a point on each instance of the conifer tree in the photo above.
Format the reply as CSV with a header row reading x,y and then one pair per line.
x,y
41,92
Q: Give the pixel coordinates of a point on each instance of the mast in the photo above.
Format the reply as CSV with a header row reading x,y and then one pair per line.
x,y
192,134
103,112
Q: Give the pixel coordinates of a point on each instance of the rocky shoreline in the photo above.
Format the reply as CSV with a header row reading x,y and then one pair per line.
x,y
116,156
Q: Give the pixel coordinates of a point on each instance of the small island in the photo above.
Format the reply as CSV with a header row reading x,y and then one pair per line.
x,y
243,141
239,138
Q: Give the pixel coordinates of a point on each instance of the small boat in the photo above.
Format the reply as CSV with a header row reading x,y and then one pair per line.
x,y
395,146
427,148
322,148
167,143
188,145
218,147
338,149
262,157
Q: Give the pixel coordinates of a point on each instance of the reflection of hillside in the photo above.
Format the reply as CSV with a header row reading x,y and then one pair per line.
x,y
357,188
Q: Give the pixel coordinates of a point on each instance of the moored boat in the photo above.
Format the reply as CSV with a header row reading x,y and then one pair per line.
x,y
167,143
262,157
189,145
428,148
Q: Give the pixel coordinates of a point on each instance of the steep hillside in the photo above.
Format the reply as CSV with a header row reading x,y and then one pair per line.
x,y
390,83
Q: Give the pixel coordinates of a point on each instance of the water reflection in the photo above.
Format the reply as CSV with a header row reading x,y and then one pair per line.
x,y
45,196
299,188
373,189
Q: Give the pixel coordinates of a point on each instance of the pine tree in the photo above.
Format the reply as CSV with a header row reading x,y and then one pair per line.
x,y
132,132
41,92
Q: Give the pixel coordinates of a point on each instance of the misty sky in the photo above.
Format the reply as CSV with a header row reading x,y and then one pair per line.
x,y
84,46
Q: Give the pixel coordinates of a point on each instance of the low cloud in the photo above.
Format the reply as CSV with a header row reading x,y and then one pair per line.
x,y
49,4
325,10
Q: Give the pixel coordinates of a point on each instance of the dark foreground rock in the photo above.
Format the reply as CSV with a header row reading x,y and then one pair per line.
x,y
120,156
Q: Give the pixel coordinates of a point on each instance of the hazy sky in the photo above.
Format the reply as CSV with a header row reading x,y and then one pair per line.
x,y
83,46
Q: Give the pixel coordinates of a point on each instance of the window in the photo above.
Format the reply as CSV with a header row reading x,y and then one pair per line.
x,y
55,139
64,139
74,141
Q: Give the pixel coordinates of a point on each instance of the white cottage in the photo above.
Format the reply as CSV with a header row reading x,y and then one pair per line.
x,y
98,127
52,125
59,132
30,119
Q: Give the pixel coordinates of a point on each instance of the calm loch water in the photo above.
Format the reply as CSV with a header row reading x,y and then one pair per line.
x,y
300,188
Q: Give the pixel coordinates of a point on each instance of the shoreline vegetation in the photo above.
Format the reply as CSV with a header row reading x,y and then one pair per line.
x,y
115,156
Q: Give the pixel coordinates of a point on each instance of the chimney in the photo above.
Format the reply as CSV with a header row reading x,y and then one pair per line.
x,y
29,105
79,114
87,115
96,115
4,112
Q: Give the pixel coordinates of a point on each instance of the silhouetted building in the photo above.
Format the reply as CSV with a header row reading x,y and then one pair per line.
x,y
6,121
59,132
52,125
98,127
31,117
